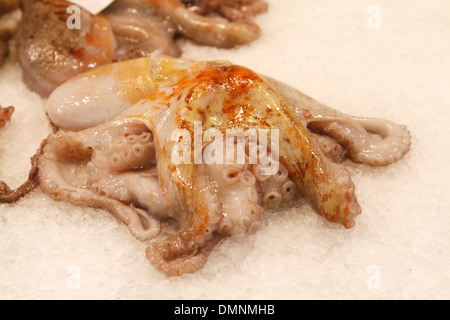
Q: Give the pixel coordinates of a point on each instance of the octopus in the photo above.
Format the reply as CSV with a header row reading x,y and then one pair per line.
x,y
9,19
162,141
50,53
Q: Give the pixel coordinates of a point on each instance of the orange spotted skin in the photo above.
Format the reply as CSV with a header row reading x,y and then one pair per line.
x,y
52,47
50,53
169,98
5,115
225,96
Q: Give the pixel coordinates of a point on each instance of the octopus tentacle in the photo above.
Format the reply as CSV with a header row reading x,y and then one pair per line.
x,y
163,255
331,148
138,32
327,184
64,186
125,153
230,9
242,9
371,141
276,188
236,189
395,143
7,195
205,30
138,188
197,237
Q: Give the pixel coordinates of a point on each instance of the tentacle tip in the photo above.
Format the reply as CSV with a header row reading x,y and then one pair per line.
x,y
354,211
349,223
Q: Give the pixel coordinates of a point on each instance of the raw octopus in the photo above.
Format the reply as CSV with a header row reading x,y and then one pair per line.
x,y
50,53
128,143
5,115
9,20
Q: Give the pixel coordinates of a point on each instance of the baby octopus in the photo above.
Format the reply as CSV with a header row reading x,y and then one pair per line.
x,y
50,53
135,138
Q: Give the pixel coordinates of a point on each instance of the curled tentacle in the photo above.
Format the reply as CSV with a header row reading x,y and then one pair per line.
x,y
58,178
142,226
196,238
205,30
137,188
10,196
163,256
374,142
230,9
395,143
139,31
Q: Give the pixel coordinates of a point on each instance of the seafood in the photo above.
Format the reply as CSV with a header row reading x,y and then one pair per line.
x,y
5,115
9,20
50,53
148,140
230,9
8,5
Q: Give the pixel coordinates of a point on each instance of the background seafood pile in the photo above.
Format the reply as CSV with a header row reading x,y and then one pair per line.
x,y
332,51
10,15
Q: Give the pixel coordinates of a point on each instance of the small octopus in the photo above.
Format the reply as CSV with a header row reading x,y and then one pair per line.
x,y
127,144
50,53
